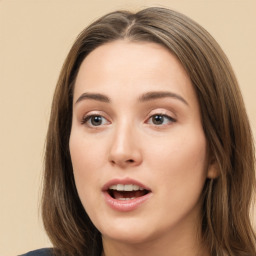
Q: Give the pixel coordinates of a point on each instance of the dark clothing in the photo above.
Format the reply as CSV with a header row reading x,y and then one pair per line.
x,y
40,252
96,251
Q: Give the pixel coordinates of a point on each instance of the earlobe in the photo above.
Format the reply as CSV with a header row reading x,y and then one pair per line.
x,y
213,171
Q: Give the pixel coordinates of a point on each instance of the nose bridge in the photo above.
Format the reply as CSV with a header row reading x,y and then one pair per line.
x,y
124,148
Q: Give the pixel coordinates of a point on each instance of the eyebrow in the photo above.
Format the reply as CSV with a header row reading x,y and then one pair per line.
x,y
93,96
158,95
143,98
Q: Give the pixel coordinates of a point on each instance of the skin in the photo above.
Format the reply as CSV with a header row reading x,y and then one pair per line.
x,y
170,158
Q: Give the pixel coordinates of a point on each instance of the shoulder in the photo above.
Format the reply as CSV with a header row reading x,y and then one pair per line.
x,y
40,252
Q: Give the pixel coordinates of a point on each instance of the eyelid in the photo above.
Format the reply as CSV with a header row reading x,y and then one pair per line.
x,y
170,119
161,112
86,117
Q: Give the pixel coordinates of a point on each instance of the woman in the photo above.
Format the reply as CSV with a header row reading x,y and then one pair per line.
x,y
149,150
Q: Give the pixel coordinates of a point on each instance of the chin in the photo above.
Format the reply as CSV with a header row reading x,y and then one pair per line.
x,y
131,238
129,233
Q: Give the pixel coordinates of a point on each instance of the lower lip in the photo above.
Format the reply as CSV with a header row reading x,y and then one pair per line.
x,y
125,205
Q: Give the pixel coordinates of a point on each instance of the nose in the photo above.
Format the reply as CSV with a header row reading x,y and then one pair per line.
x,y
125,151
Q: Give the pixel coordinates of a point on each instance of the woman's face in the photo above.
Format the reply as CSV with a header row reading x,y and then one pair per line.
x,y
137,145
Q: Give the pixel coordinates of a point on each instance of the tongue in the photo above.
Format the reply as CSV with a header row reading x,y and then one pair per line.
x,y
128,194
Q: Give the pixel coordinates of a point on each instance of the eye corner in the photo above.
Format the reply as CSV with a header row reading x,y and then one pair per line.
x,y
161,119
94,121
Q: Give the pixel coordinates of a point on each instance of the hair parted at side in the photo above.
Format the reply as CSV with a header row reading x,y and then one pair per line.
x,y
226,200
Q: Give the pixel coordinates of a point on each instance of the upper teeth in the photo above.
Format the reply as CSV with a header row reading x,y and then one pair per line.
x,y
127,187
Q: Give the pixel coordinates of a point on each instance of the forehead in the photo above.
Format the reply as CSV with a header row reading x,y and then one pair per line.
x,y
121,53
132,68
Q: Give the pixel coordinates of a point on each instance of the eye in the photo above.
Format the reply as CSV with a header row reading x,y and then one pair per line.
x,y
94,120
160,119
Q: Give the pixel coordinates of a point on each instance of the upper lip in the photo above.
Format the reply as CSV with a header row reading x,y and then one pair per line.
x,y
125,181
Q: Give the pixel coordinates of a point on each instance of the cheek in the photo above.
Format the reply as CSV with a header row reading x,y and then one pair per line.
x,y
85,152
181,160
86,157
87,161
180,169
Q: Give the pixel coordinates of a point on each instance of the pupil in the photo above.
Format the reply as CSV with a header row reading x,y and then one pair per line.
x,y
96,120
157,119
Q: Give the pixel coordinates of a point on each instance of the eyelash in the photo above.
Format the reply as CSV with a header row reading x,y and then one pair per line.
x,y
87,120
164,116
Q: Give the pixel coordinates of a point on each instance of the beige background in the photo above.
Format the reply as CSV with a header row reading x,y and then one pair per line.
x,y
35,37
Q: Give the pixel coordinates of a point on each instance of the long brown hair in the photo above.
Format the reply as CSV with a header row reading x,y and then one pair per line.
x,y
226,200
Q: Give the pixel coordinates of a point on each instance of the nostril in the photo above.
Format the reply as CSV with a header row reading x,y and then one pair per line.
x,y
129,161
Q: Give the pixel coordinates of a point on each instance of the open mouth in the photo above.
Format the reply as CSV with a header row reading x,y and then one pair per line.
x,y
127,191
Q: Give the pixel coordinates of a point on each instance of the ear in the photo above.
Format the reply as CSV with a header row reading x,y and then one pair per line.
x,y
213,171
